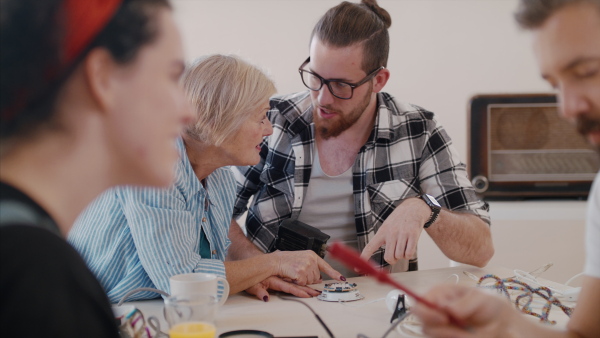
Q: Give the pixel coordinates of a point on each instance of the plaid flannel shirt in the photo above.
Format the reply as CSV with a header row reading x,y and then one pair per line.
x,y
408,153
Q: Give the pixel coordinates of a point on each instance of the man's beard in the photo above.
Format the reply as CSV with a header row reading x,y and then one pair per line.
x,y
327,129
586,125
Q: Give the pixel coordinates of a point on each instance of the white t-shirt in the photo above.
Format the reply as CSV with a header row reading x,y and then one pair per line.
x,y
592,236
329,206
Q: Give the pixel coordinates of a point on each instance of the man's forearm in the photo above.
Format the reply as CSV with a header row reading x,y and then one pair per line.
x,y
241,247
462,237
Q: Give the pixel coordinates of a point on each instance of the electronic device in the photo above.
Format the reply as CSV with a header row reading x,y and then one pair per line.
x,y
351,258
294,235
340,292
519,147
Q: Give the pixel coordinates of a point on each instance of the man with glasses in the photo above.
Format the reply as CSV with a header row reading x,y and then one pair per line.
x,y
356,163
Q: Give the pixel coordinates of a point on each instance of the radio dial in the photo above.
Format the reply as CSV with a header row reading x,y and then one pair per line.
x,y
480,183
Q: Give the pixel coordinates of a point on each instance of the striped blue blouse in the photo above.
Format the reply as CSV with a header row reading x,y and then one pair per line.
x,y
133,237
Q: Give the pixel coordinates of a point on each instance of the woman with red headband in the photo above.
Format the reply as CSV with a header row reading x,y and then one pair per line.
x,y
90,98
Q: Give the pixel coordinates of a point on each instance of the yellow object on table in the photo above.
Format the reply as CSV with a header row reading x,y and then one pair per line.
x,y
192,330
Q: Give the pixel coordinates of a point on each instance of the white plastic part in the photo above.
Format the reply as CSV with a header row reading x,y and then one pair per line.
x,y
392,298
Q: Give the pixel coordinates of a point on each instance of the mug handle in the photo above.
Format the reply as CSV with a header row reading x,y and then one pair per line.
x,y
225,290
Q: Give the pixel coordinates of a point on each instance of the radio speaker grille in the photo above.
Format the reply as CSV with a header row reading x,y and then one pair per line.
x,y
533,142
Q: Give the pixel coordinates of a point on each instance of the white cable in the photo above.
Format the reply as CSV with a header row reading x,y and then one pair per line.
x,y
569,295
573,278
538,271
411,327
572,294
531,278
454,275
472,276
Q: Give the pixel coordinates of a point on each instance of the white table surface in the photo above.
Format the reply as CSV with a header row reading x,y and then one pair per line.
x,y
286,318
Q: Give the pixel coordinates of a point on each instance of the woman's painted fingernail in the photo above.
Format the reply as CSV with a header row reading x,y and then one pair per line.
x,y
266,298
343,278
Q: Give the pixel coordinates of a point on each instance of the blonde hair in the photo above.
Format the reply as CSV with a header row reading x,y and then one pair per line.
x,y
223,89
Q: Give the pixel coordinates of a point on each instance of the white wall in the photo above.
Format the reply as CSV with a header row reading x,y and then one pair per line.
x,y
442,53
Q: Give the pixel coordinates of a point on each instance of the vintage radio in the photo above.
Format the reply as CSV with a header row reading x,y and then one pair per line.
x,y
519,147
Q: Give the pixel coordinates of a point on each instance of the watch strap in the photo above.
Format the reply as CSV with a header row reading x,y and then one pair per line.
x,y
434,215
435,211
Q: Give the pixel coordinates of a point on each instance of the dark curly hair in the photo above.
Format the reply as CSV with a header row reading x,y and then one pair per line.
x,y
32,58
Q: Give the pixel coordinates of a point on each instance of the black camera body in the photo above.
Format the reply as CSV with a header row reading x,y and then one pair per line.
x,y
294,235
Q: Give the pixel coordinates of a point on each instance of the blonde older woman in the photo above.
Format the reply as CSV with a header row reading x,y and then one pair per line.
x,y
139,237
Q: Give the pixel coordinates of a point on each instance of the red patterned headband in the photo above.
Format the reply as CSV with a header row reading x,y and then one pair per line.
x,y
85,20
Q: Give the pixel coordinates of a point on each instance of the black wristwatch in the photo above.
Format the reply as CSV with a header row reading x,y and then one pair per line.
x,y
435,209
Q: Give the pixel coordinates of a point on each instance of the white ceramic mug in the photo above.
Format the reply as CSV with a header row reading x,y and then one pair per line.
x,y
198,283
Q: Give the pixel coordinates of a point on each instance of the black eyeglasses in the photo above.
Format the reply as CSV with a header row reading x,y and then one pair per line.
x,y
340,89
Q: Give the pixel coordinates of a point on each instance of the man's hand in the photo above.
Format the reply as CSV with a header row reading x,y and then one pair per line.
x,y
400,232
303,267
275,283
484,314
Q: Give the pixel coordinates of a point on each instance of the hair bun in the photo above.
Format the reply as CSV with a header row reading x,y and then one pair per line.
x,y
381,13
